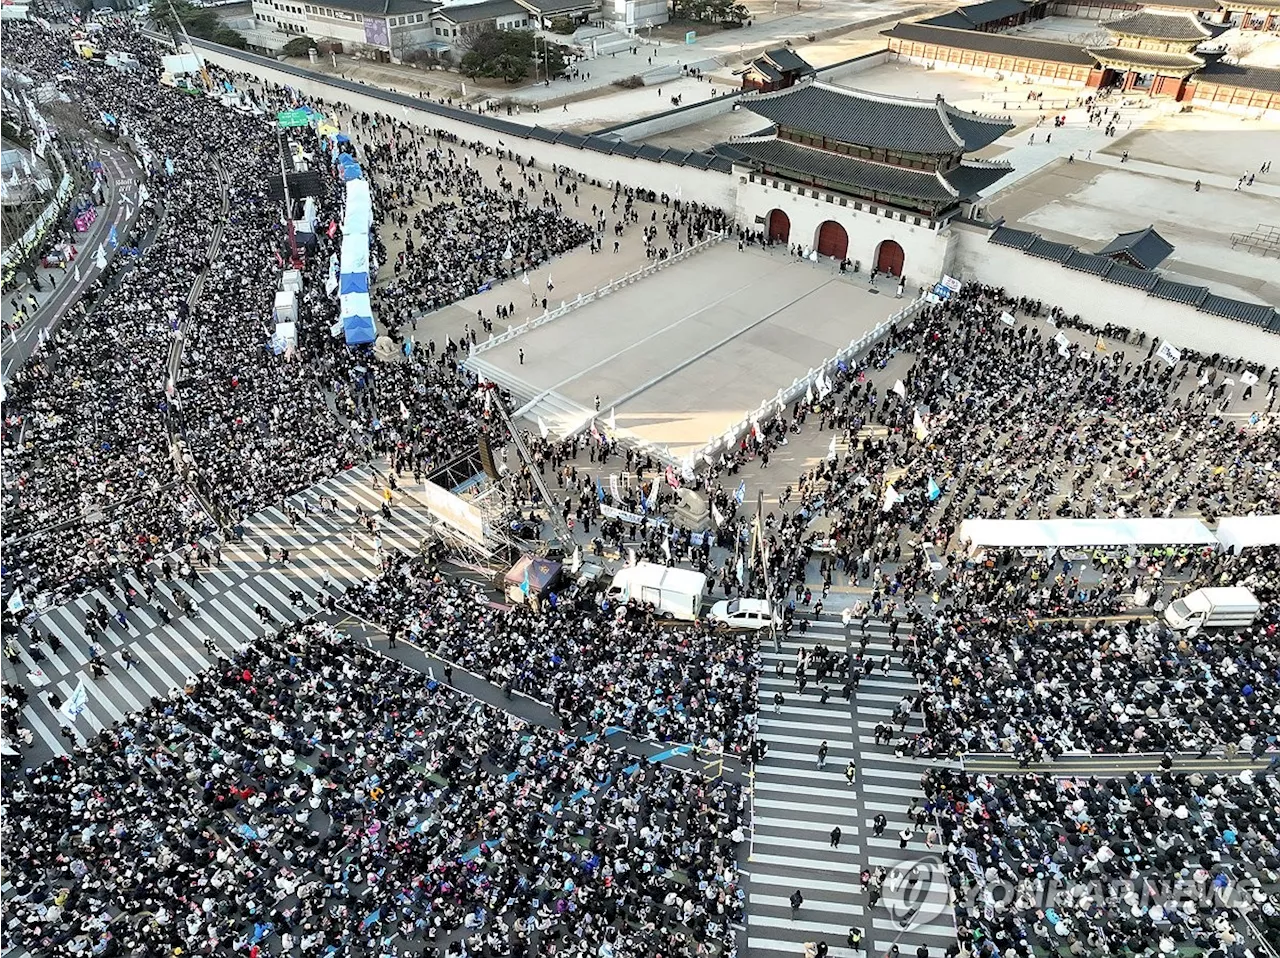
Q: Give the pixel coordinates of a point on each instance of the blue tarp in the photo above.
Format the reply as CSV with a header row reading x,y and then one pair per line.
x,y
353,283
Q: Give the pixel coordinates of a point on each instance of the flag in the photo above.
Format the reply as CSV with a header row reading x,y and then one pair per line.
x,y
900,389
717,515
143,193
376,914
113,237
524,277
168,166
808,395
77,703
524,583
542,428
100,259
672,479
1100,346
741,492
404,410
918,423
1169,353
16,604
575,562
613,422
1249,379
831,449
509,253
934,490
550,285
666,546
599,490
77,274
891,498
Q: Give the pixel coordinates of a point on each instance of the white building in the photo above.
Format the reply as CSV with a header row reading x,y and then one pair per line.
x,y
385,29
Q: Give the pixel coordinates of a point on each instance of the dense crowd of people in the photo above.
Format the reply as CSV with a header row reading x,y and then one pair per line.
x,y
310,794
589,660
1144,865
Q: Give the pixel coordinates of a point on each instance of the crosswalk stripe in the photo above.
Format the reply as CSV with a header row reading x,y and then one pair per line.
x,y
167,654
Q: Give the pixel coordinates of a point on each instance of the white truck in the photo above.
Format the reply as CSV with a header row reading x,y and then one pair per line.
x,y
674,593
1218,608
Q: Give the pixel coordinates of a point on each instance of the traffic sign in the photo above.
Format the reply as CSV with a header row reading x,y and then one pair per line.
x,y
289,118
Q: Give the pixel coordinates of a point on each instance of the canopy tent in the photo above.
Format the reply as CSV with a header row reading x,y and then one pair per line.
x,y
1083,533
539,574
354,308
1249,532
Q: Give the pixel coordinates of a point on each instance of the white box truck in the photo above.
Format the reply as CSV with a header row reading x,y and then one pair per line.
x,y
674,593
1231,607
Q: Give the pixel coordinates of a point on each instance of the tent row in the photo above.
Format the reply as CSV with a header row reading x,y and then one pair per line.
x,y
1238,532
354,309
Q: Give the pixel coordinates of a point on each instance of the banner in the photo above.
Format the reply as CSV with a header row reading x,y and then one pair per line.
x,y
1169,353
77,703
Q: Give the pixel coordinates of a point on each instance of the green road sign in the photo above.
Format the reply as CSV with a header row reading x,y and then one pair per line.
x,y
289,118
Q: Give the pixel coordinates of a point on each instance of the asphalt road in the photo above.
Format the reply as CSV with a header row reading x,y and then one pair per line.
x,y
121,171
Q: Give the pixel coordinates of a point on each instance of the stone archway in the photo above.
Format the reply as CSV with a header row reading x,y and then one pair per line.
x,y
832,240
890,258
779,227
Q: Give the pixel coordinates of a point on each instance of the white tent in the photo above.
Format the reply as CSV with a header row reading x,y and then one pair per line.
x,y
1083,533
1249,532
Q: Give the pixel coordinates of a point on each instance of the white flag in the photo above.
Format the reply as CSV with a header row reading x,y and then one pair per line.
x,y
613,422
666,546
16,604
1007,318
1062,340
404,410
143,193
900,389
524,277
831,449
891,498
77,274
1249,379
77,703
1169,353
918,422
808,395
542,428
717,516
509,253
101,258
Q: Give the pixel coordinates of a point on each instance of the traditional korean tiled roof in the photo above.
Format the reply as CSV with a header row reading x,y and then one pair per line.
x,y
999,44
1128,58
1150,282
1147,248
1233,74
865,176
877,121
1165,25
979,14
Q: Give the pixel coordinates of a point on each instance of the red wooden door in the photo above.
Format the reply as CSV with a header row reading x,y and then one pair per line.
x,y
889,258
833,240
779,227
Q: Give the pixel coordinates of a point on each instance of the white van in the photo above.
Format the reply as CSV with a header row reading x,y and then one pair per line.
x,y
1232,607
674,593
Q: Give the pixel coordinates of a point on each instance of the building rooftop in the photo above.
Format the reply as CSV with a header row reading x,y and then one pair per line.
x,y
1165,25
878,121
1235,74
1130,58
864,176
485,10
1144,248
979,14
1000,44
548,8
375,8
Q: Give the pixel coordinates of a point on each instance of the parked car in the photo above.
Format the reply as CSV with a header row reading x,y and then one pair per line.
x,y
743,614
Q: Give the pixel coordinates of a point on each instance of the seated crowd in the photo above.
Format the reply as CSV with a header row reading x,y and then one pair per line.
x,y
310,793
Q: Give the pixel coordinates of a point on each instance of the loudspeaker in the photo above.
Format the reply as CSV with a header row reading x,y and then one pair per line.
x,y
486,458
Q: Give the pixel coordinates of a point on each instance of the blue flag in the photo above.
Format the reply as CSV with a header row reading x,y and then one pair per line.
x,y
599,490
934,490
113,238
741,493
369,919
168,166
524,583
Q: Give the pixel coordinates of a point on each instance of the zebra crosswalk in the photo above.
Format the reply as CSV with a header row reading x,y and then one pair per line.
x,y
328,552
798,804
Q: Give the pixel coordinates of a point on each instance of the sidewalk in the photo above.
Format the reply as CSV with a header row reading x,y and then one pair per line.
x,y
60,289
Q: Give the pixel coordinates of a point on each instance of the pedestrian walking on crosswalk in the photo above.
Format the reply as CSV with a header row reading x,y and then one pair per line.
x,y
797,900
127,658
850,771
835,837
822,754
